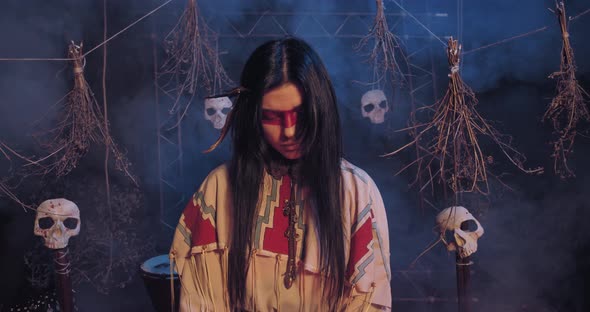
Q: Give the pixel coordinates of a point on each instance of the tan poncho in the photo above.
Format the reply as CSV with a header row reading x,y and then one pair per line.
x,y
200,248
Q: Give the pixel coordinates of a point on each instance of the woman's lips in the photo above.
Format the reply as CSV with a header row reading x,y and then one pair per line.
x,y
290,147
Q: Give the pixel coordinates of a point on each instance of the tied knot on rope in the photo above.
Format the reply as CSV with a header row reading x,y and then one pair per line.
x,y
75,53
78,69
464,264
63,265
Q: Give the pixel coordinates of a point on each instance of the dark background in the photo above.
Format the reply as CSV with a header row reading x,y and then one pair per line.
x,y
535,251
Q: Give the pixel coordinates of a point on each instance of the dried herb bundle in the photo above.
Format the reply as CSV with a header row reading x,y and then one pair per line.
x,y
450,141
81,124
569,107
193,59
385,47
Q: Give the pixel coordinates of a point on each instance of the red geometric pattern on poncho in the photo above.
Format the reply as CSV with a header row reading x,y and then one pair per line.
x,y
361,248
274,236
200,223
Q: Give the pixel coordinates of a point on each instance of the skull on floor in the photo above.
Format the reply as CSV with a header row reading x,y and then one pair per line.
x,y
374,106
451,220
56,221
216,110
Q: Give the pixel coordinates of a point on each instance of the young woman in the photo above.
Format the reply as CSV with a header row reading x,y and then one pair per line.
x,y
287,224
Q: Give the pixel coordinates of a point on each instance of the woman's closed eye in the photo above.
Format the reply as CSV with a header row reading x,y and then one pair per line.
x,y
271,115
278,116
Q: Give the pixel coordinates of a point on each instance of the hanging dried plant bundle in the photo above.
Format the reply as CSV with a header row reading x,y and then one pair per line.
x,y
569,107
81,125
450,141
193,60
385,47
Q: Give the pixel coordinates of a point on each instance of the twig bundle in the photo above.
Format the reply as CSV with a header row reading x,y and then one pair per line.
x,y
81,124
569,107
385,47
451,139
193,59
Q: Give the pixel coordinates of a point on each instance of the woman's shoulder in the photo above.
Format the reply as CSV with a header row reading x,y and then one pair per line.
x,y
351,172
219,172
217,175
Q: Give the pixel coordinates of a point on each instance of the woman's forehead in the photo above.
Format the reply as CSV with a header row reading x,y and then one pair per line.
x,y
282,98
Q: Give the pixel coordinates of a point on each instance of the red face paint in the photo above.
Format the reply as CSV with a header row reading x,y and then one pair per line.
x,y
286,119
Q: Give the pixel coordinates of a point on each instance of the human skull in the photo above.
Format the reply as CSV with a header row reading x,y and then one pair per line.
x,y
216,110
451,219
56,221
374,106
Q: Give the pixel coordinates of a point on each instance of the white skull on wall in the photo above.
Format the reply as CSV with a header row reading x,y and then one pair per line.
x,y
216,110
374,106
451,219
56,221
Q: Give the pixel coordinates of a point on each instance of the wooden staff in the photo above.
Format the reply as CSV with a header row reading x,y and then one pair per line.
x,y
463,266
62,277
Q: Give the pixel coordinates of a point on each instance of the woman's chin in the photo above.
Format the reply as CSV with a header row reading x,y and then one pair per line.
x,y
291,155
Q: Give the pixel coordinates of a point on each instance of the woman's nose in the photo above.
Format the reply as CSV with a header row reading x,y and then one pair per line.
x,y
289,121
289,132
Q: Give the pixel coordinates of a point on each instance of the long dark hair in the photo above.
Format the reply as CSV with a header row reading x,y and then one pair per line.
x,y
318,127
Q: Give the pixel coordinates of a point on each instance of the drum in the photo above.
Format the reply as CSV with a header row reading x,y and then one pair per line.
x,y
156,277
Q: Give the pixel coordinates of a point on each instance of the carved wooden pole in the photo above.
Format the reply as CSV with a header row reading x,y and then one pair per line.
x,y
463,266
63,281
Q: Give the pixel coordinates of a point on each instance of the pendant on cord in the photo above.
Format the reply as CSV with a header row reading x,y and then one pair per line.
x,y
289,210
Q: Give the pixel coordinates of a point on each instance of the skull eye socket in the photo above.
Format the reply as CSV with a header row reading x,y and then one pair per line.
x,y
71,223
383,104
369,108
45,223
226,110
468,225
210,111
